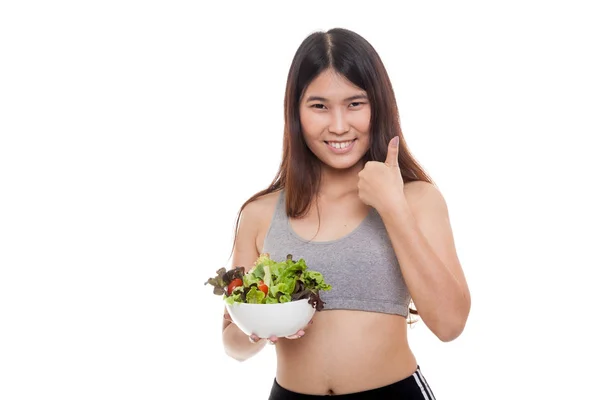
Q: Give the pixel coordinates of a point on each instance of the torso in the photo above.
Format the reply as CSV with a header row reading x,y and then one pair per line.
x,y
343,351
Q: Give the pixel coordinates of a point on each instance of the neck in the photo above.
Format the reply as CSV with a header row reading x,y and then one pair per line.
x,y
337,183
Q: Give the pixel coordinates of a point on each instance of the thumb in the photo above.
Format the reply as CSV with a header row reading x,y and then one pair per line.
x,y
392,155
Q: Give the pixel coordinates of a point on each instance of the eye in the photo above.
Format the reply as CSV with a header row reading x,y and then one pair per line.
x,y
318,106
356,104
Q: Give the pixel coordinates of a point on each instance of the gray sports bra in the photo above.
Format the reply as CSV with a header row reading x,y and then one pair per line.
x,y
361,267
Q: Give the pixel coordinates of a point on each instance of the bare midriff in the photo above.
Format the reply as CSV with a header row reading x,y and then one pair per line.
x,y
346,351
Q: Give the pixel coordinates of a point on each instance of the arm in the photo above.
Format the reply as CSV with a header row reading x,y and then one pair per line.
x,y
236,343
419,229
245,253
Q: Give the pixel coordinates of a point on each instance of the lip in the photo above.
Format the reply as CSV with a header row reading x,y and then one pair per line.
x,y
340,151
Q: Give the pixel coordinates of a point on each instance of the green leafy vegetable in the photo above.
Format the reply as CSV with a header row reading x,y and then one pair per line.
x,y
286,281
255,296
224,278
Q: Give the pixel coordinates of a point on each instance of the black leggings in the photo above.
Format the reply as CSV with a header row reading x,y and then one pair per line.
x,y
413,387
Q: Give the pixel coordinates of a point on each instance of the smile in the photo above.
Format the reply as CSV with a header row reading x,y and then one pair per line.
x,y
341,147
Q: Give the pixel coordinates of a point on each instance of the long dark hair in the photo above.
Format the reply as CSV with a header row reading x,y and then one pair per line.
x,y
353,57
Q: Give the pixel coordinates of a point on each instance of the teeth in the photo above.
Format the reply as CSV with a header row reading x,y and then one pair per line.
x,y
339,145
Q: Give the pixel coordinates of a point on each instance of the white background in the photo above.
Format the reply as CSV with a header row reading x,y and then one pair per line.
x,y
131,132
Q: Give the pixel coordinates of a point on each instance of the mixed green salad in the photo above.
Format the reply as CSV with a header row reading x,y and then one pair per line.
x,y
270,282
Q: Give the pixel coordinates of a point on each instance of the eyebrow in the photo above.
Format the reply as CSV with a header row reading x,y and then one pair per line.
x,y
323,99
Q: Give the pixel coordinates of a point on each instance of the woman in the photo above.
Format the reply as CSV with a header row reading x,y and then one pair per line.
x,y
350,199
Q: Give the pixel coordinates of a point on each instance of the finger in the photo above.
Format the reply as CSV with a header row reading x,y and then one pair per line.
x,y
253,338
392,155
298,335
272,339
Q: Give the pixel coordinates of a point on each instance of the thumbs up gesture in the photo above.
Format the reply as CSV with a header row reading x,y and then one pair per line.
x,y
380,185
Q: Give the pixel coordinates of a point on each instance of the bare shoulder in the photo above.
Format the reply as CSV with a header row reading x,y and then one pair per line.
x,y
423,196
259,213
262,207
251,229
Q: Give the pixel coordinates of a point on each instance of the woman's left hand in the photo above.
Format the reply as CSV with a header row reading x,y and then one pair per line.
x,y
380,185
297,335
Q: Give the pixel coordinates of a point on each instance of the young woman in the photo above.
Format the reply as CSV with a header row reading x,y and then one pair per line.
x,y
351,200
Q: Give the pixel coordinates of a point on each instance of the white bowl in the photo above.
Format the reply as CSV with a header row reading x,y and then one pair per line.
x,y
266,320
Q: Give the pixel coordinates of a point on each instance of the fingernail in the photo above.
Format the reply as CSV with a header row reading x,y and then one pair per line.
x,y
395,141
301,333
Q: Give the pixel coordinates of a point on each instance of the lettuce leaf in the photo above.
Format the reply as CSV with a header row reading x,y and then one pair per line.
x,y
255,296
224,278
315,280
234,298
251,279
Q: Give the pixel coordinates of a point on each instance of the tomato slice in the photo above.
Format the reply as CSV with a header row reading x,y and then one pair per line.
x,y
262,287
233,284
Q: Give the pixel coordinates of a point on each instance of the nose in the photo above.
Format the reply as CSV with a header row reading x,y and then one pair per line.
x,y
339,123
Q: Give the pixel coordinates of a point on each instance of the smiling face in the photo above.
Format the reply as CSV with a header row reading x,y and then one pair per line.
x,y
335,116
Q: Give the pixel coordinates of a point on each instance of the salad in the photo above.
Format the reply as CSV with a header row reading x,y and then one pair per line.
x,y
270,282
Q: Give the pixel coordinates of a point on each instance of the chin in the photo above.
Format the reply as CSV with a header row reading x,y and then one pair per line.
x,y
341,165
337,163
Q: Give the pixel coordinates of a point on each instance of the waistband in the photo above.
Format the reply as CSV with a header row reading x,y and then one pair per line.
x,y
411,387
